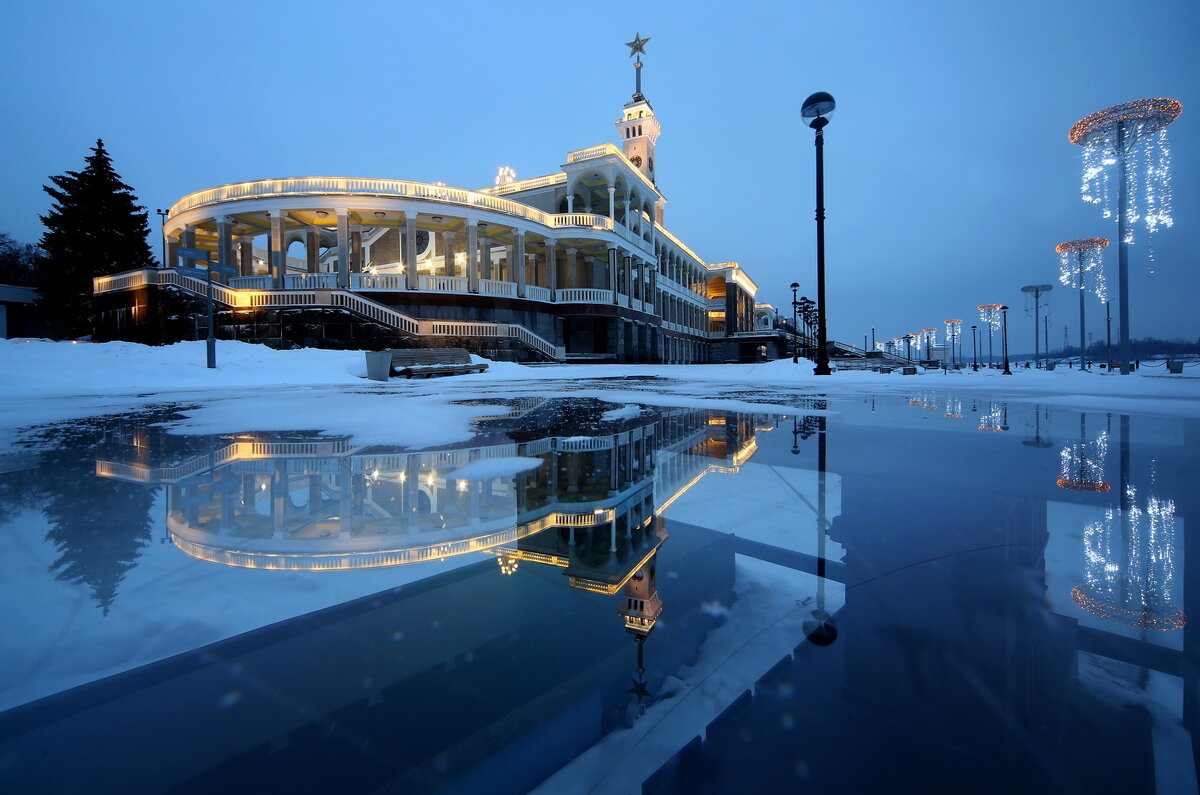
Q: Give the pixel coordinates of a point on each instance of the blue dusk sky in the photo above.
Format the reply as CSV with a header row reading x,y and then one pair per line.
x,y
949,175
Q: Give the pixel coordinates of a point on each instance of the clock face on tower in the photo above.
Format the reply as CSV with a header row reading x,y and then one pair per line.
x,y
636,160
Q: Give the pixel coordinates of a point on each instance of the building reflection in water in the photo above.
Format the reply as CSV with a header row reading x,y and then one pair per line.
x,y
587,501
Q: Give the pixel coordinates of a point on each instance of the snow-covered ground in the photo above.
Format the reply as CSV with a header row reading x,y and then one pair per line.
x,y
48,381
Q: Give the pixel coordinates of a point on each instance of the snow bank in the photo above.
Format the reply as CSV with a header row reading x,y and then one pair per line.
x,y
488,468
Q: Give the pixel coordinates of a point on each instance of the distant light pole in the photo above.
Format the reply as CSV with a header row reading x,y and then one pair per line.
x,y
815,112
795,339
1079,258
1108,336
974,350
1004,322
908,347
872,336
1037,290
162,233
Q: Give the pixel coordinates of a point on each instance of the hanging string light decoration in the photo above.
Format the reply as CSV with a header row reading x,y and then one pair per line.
x,y
1129,565
953,408
881,345
1082,465
918,340
1135,133
1081,264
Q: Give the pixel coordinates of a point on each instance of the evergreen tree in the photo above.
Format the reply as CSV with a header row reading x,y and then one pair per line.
x,y
94,228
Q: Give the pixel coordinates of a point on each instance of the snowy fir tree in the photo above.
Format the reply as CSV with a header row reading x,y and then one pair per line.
x,y
94,228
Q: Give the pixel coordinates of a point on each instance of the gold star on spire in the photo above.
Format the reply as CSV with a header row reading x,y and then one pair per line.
x,y
637,45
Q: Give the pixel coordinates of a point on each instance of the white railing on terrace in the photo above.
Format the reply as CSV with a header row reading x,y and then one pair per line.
x,y
370,281
535,293
584,295
586,219
526,184
610,150
388,188
252,282
375,311
493,287
443,284
308,281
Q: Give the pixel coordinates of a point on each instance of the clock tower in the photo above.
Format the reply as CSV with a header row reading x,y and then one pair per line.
x,y
638,129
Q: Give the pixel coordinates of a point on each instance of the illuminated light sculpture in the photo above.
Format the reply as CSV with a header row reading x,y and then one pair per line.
x,y
898,345
1083,463
1133,137
953,408
881,346
1129,565
990,314
953,329
505,175
930,340
1080,261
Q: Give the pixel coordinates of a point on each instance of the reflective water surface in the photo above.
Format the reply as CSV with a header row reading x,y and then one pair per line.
x,y
934,592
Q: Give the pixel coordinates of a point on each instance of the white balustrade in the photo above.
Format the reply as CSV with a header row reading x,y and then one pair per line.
x,y
584,295
535,293
251,283
443,284
371,281
307,281
492,287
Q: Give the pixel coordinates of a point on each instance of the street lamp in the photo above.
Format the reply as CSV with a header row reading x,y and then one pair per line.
x,y
795,339
1037,291
162,233
1004,323
974,350
815,112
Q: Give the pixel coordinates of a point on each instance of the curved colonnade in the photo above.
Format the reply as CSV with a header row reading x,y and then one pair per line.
x,y
404,240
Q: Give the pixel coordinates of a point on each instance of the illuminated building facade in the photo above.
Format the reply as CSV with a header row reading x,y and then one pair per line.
x,y
575,265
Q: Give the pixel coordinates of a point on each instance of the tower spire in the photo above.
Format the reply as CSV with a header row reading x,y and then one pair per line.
x,y
638,45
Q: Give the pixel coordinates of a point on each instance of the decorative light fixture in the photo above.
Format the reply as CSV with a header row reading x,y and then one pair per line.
x,y
380,214
1133,137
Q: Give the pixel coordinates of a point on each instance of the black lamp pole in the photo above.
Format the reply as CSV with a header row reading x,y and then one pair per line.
x,y
815,112
162,233
795,330
974,351
1004,321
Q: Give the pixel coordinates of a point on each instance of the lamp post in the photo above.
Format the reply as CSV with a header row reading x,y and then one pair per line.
x,y
1004,322
1108,336
162,233
1037,290
795,337
908,346
815,112
974,350
872,336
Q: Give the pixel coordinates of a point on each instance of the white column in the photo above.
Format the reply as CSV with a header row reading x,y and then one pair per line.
x,y
410,250
612,273
612,202
245,256
551,266
312,249
485,246
343,248
278,248
519,264
448,254
225,240
472,257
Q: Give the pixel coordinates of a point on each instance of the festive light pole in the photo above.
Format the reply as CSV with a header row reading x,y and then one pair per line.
x,y
1004,324
1079,259
1037,291
974,349
1118,136
162,233
816,112
990,314
953,327
930,340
